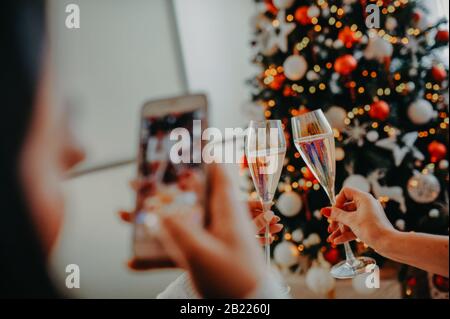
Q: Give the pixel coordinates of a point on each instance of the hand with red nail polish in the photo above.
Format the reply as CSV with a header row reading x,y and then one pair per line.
x,y
260,220
363,217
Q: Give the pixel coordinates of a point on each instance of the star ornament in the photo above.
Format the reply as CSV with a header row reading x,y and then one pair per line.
x,y
399,152
356,133
280,38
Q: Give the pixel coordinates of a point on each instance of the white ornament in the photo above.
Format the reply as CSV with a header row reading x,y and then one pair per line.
x,y
372,136
400,224
295,67
312,76
358,182
336,116
391,23
283,4
340,154
265,40
443,164
317,214
298,235
319,280
313,12
423,188
394,193
359,284
312,240
421,112
378,49
337,44
329,42
413,72
280,39
433,213
286,254
289,203
356,133
398,152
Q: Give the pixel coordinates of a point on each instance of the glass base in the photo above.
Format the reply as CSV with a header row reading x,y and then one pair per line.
x,y
345,270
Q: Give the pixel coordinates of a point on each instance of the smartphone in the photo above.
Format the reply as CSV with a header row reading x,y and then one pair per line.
x,y
171,178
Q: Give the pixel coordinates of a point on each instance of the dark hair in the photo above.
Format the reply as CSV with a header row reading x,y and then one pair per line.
x,y
23,271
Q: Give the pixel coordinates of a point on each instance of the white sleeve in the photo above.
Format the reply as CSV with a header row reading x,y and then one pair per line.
x,y
271,287
181,288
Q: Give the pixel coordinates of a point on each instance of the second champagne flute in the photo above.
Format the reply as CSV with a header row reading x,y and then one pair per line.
x,y
265,149
314,139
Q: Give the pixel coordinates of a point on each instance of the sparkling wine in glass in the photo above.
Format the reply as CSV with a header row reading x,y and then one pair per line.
x,y
314,139
265,149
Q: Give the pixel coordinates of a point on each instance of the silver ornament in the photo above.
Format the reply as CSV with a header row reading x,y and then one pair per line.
x,y
423,188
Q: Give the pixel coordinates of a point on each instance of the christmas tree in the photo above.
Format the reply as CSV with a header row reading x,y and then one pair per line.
x,y
374,68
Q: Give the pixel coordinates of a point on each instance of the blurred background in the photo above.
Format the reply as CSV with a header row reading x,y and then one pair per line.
x,y
125,53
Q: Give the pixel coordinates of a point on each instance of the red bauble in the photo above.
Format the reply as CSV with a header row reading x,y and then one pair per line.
x,y
438,73
379,110
271,7
301,15
437,151
442,36
417,15
308,174
411,282
332,255
441,283
348,37
277,82
344,65
287,91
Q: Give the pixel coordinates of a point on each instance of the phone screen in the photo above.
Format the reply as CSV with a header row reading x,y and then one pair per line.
x,y
171,179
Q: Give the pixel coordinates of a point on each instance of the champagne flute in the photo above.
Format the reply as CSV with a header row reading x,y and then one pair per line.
x,y
314,139
265,149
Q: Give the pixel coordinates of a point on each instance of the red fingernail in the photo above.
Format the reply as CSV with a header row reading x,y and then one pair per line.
x,y
125,216
326,212
329,229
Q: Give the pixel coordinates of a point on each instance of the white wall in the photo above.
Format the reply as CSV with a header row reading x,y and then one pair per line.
x,y
215,39
124,54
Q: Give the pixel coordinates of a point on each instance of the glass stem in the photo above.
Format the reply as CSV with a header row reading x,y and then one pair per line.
x,y
349,256
266,207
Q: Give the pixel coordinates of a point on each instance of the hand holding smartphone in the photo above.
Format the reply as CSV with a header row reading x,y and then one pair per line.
x,y
171,179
